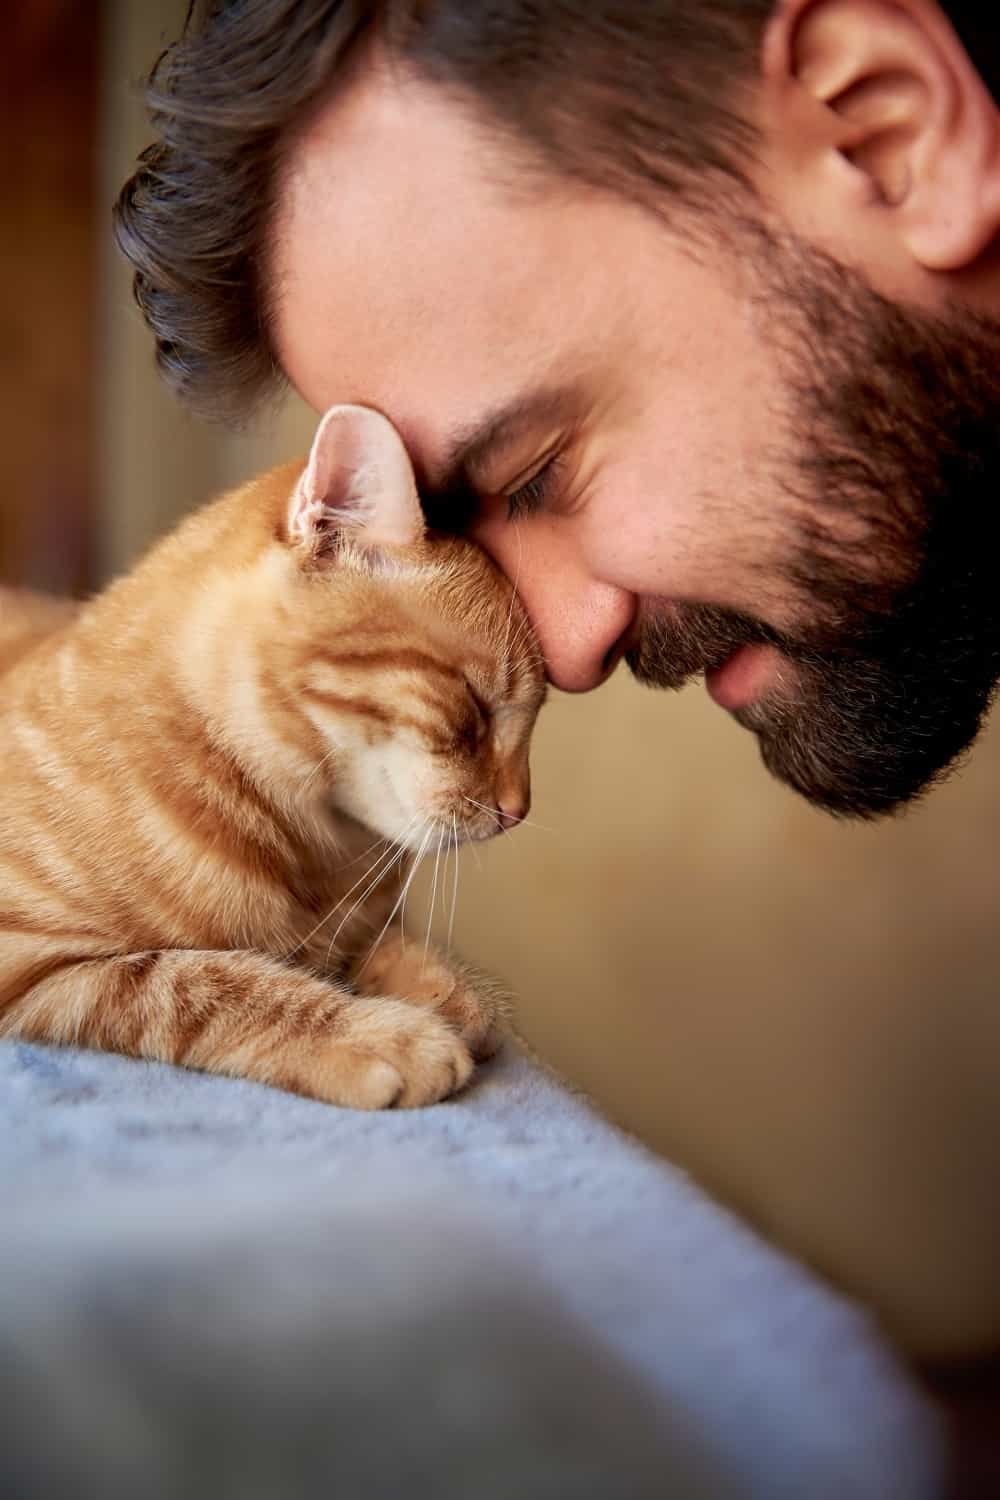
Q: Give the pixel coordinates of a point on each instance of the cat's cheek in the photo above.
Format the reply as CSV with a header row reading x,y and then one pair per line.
x,y
432,794
435,792
364,791
394,790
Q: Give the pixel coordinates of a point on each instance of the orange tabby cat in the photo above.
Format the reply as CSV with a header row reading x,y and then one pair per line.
x,y
215,778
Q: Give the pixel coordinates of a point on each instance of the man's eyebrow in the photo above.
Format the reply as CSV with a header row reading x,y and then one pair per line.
x,y
470,450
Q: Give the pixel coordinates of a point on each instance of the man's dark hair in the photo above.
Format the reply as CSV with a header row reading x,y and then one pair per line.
x,y
645,97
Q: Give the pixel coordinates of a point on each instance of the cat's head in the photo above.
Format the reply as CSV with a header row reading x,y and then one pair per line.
x,y
411,663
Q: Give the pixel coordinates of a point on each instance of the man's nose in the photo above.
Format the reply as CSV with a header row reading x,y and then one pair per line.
x,y
581,622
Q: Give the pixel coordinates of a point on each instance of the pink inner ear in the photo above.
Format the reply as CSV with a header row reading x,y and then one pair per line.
x,y
305,514
358,479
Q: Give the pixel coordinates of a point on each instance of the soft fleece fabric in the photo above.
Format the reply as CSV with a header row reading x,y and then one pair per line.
x,y
212,1289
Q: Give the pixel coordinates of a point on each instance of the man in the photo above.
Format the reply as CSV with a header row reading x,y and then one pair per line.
x,y
688,312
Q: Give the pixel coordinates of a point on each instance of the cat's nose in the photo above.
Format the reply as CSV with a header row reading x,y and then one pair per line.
x,y
511,810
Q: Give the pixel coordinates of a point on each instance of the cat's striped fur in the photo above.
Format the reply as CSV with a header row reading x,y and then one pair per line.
x,y
205,771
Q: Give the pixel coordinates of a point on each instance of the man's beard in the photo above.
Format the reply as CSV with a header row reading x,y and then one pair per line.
x,y
895,430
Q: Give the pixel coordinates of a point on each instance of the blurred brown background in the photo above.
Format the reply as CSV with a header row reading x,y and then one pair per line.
x,y
48,263
806,1015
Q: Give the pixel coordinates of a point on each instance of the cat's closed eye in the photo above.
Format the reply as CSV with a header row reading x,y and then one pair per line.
x,y
472,721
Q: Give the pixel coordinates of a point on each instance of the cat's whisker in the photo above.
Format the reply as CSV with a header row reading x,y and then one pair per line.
x,y
523,637
522,822
399,853
400,906
454,879
521,634
333,909
529,657
365,852
473,845
391,845
418,860
493,811
349,914
510,653
316,770
531,823
397,850
430,909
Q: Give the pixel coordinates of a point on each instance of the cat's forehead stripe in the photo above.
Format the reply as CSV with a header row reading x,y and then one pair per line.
x,y
378,714
409,658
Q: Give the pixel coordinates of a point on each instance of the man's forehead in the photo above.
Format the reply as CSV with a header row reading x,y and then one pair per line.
x,y
407,278
411,296
385,210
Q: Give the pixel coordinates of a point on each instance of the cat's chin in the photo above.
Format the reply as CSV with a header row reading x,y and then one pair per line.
x,y
480,835
348,827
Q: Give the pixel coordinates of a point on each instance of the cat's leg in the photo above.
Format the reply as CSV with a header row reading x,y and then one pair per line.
x,y
476,1005
248,1016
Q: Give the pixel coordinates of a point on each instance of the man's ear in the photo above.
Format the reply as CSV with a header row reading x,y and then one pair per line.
x,y
358,482
907,110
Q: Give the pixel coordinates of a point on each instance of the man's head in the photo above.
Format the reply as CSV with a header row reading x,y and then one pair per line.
x,y
691,318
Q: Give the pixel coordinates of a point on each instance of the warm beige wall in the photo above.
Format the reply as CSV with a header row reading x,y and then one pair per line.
x,y
806,1014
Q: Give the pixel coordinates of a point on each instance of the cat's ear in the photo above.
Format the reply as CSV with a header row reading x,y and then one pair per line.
x,y
358,483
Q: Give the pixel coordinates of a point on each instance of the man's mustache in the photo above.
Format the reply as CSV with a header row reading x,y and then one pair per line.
x,y
680,641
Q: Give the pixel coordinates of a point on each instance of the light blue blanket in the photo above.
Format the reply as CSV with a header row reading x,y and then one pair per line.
x,y
215,1291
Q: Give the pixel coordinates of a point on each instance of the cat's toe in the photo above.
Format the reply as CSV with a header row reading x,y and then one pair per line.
x,y
488,1044
435,1064
387,1054
377,1085
480,1012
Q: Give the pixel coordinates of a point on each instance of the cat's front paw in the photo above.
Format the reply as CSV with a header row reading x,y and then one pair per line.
x,y
385,1054
475,1004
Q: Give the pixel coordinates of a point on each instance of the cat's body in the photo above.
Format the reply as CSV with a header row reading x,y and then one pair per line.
x,y
205,772
26,618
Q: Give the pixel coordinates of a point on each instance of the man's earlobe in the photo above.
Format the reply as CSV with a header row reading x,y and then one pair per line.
x,y
907,110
